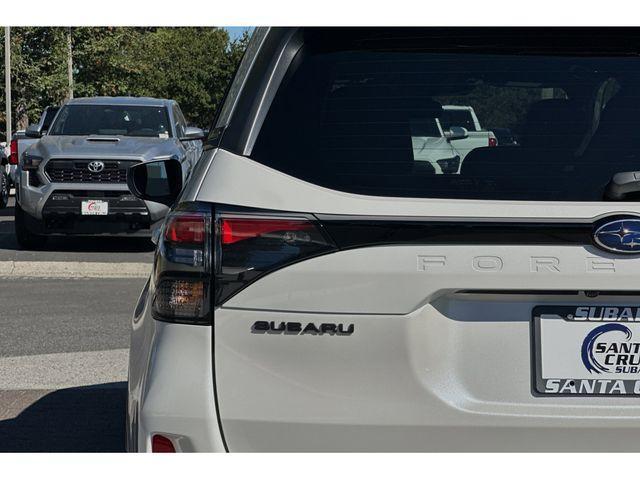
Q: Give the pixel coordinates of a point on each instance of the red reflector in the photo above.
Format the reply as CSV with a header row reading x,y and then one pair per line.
x,y
161,444
13,157
237,229
493,142
186,228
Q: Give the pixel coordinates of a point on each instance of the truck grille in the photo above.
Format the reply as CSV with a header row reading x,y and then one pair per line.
x,y
77,171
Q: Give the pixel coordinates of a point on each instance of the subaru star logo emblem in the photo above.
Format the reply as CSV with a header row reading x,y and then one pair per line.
x,y
95,166
620,236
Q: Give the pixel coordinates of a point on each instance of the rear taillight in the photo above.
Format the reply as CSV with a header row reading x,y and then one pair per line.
x,y
251,244
183,267
493,142
232,248
234,230
188,228
13,157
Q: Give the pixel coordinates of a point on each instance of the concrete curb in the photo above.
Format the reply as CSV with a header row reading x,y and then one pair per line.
x,y
74,269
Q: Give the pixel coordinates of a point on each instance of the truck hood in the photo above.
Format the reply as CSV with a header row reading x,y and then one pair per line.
x,y
100,147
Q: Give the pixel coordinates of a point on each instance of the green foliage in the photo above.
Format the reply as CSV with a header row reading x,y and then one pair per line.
x,y
39,78
191,65
498,106
105,60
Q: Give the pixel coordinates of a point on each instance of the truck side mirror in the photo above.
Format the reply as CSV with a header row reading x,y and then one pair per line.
x,y
456,133
192,133
33,131
159,181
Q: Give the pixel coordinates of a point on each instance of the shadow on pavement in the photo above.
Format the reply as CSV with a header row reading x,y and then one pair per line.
x,y
86,419
96,244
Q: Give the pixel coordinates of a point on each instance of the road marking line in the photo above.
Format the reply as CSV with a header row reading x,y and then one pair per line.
x,y
63,370
74,269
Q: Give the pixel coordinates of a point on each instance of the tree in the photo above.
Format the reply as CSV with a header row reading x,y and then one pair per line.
x,y
106,60
38,71
191,65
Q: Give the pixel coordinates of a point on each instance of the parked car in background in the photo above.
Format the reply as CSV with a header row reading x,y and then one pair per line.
x,y
433,145
20,141
465,117
72,181
4,178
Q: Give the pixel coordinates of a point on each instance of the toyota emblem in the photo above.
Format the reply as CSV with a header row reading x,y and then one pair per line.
x,y
95,166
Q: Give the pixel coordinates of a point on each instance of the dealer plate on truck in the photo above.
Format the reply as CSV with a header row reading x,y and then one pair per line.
x,y
95,207
586,350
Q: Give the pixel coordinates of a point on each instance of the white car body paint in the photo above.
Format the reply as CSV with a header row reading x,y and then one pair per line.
x,y
438,354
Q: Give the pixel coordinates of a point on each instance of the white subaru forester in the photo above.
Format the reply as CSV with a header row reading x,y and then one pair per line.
x,y
316,287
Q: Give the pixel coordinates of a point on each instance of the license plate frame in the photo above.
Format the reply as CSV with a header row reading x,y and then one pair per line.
x,y
94,207
590,383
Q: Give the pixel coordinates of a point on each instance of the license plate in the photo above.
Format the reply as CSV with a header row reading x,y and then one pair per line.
x,y
586,351
95,207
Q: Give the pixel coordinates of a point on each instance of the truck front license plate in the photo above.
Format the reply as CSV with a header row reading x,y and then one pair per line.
x,y
586,350
95,207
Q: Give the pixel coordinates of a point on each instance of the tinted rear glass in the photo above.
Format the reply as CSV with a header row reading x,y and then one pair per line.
x,y
460,118
113,120
367,118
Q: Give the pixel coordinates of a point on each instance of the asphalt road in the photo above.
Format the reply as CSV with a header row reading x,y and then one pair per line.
x,y
64,336
41,316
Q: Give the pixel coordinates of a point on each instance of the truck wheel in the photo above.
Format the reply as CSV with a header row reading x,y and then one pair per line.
x,y
26,239
4,190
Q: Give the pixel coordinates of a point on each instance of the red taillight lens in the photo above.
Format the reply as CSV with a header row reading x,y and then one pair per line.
x,y
13,157
250,246
161,444
186,228
493,142
237,229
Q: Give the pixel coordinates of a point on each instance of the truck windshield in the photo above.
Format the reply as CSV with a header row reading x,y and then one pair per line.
x,y
347,112
115,120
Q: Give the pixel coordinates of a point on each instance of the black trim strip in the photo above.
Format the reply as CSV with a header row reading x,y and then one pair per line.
x,y
353,231
587,293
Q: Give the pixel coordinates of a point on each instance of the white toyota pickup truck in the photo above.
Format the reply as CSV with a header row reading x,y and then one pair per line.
x,y
444,142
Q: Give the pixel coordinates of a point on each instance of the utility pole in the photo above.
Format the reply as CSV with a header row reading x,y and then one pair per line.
x,y
70,62
7,77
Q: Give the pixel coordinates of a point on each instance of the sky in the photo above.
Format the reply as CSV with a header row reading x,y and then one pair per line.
x,y
236,32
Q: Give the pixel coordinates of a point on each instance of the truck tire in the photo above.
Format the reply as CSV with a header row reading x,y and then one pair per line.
x,y
25,237
4,189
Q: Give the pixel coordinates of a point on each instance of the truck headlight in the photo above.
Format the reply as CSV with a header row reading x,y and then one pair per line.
x,y
31,162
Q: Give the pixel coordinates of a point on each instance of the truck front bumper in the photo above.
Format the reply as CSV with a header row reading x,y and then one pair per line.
x,y
56,208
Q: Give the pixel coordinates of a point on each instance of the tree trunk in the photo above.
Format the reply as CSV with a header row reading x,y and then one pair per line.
x,y
22,117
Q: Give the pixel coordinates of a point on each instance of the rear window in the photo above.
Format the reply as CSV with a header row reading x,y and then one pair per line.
x,y
371,121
